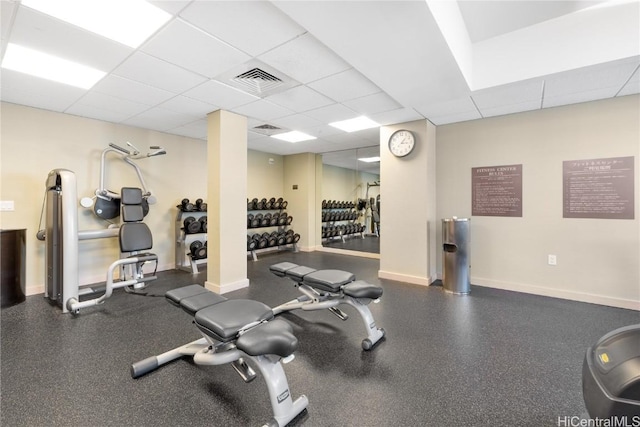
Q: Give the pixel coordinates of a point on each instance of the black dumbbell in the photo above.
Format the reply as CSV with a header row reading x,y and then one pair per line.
x,y
296,238
191,225
186,205
198,250
284,205
201,205
278,203
203,223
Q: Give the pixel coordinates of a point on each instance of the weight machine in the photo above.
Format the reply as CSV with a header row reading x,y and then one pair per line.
x,y
372,210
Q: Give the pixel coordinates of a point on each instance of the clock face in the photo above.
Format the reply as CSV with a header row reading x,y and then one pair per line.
x,y
401,143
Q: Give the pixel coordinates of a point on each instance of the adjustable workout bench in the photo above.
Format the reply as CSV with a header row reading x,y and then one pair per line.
x,y
329,288
235,331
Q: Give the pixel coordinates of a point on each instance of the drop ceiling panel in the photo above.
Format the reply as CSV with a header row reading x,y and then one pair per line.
x,y
305,59
332,113
132,91
401,115
448,108
159,119
504,109
171,6
297,122
632,86
182,44
323,131
454,118
252,26
575,98
194,107
197,129
372,104
344,86
610,75
262,109
35,92
84,110
7,9
155,72
101,101
300,98
216,93
512,94
41,32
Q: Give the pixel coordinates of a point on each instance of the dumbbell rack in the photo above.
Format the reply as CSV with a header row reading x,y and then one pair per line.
x,y
269,214
184,260
342,212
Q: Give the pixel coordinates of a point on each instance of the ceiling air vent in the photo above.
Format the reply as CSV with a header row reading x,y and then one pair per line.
x,y
258,81
267,129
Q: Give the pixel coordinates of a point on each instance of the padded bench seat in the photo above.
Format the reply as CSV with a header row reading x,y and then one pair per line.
x,y
223,321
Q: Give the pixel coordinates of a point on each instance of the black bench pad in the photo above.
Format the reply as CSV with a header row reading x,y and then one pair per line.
x,y
223,321
281,268
328,280
193,298
274,337
362,289
174,296
298,274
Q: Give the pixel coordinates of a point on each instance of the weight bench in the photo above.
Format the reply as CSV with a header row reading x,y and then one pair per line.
x,y
329,288
234,331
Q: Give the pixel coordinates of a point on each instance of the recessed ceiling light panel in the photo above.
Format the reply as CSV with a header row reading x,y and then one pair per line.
x,y
293,136
129,22
355,124
28,61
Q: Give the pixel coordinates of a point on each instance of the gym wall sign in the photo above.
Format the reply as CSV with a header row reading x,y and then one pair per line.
x,y
496,191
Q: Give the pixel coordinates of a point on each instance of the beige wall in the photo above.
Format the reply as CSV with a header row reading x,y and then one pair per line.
x,y
265,175
34,141
598,260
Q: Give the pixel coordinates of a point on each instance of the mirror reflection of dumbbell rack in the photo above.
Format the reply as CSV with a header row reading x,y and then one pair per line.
x,y
269,214
191,235
339,220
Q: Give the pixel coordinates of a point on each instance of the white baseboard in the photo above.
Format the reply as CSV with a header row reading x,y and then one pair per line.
x,y
227,287
558,293
415,280
348,252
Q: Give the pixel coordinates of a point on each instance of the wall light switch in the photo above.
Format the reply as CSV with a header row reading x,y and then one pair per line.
x,y
7,205
553,260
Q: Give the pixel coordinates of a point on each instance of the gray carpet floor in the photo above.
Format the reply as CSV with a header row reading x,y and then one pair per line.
x,y
492,358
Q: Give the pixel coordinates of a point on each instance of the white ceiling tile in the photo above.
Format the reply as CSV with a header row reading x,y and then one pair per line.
x,y
332,113
41,32
92,112
344,86
182,44
448,108
171,6
23,89
155,72
401,115
305,59
609,75
197,129
323,131
133,91
262,109
632,86
511,94
7,9
501,110
216,93
454,118
159,119
182,104
95,101
372,104
575,98
297,122
251,26
300,98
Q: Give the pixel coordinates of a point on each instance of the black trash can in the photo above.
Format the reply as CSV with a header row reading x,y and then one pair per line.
x,y
13,245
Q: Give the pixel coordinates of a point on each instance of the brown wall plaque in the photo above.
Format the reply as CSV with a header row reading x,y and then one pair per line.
x,y
598,188
496,191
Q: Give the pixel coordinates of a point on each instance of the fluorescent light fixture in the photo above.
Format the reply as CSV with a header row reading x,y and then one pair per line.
x,y
129,22
293,136
369,159
35,63
356,124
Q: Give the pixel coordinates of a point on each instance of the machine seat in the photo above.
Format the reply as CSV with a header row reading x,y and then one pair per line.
x,y
274,337
223,321
328,280
362,289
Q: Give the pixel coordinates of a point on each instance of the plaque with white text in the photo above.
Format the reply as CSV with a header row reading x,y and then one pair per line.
x,y
496,191
598,188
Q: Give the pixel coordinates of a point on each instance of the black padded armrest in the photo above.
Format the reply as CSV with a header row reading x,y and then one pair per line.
x,y
274,337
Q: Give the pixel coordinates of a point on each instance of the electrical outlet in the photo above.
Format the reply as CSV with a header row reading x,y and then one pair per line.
x,y
553,260
7,205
